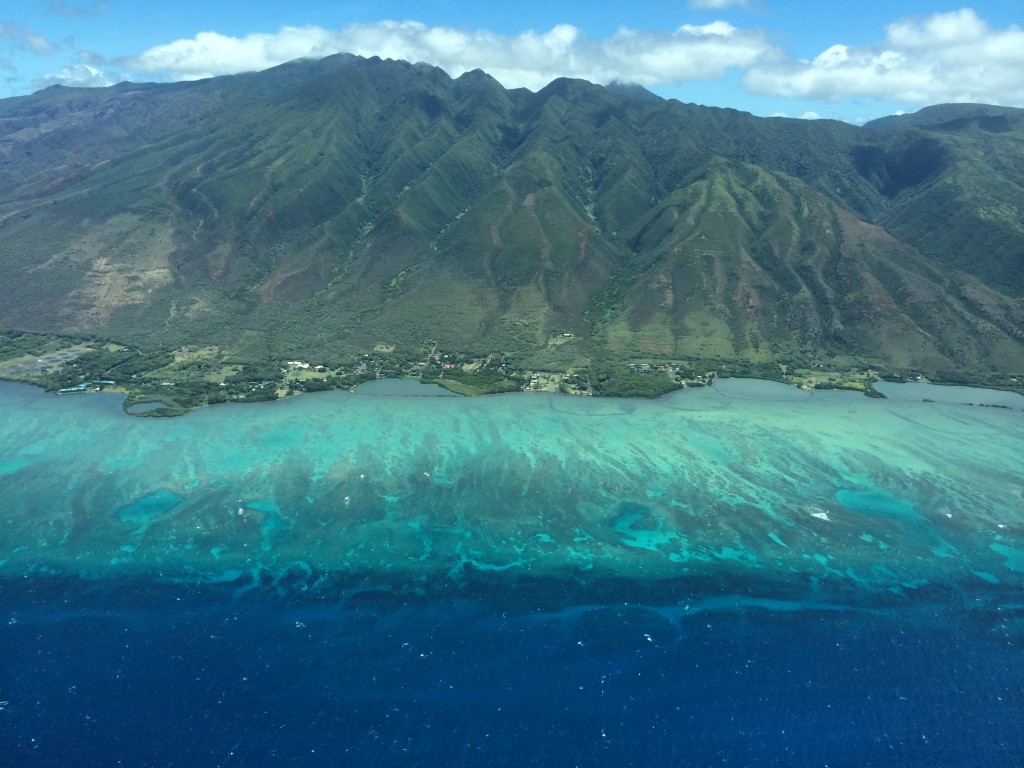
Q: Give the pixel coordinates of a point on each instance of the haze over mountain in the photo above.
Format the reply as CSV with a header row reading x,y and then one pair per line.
x,y
330,206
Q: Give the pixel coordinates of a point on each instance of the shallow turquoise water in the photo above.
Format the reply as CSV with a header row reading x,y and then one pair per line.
x,y
827,492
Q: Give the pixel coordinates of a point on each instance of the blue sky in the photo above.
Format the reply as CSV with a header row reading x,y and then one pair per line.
x,y
847,60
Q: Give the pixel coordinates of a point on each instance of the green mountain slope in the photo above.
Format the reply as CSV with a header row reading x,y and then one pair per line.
x,y
331,206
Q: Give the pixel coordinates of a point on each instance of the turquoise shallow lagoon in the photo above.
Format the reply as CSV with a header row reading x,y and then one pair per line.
x,y
746,575
796,494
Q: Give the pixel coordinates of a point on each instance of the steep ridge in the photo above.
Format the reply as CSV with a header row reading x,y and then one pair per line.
x,y
333,205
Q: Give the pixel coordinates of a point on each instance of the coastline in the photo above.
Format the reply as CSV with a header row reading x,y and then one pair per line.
x,y
170,382
729,387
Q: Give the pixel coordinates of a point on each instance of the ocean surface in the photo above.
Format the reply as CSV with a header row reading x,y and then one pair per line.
x,y
745,575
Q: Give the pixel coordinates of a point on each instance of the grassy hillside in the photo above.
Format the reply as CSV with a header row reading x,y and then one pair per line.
x,y
327,208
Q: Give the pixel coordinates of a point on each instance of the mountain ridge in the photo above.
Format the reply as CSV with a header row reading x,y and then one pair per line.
x,y
336,205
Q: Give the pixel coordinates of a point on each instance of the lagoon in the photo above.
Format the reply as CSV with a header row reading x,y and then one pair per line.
x,y
402,388
747,479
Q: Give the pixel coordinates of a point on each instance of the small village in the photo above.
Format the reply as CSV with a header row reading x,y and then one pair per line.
x,y
190,377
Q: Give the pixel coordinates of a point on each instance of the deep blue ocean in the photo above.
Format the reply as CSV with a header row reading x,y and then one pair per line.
x,y
144,675
751,576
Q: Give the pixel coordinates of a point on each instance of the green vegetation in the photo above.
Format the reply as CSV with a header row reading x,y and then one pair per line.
x,y
181,380
187,241
622,381
478,380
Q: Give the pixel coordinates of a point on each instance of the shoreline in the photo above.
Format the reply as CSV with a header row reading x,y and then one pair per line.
x,y
992,397
190,377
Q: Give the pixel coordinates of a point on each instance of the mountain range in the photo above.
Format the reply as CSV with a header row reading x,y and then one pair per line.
x,y
329,207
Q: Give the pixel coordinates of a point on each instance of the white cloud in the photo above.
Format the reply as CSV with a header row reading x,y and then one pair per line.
x,y
716,5
946,57
809,115
943,57
210,53
530,59
79,75
25,38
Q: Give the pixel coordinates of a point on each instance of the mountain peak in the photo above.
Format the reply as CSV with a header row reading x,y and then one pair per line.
x,y
940,114
633,91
